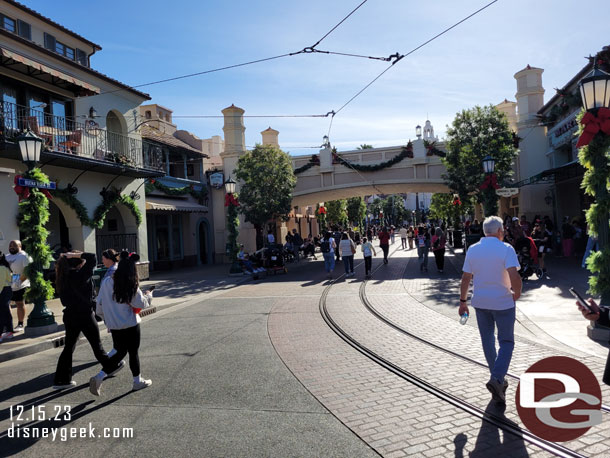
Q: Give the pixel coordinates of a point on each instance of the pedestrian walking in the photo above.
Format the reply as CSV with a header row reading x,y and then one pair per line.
x,y
493,266
393,234
337,236
567,237
384,243
297,241
18,260
119,303
368,251
73,282
327,247
600,314
403,237
542,237
6,319
592,245
110,260
423,247
411,237
438,248
347,249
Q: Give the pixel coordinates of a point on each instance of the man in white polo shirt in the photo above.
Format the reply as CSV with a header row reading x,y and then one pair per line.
x,y
497,285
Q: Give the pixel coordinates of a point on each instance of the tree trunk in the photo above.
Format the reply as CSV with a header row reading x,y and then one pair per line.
x,y
260,241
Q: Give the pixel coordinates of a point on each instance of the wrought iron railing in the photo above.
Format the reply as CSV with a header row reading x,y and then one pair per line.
x,y
67,136
117,242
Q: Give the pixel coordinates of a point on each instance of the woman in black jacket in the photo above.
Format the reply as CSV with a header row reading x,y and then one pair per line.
x,y
75,288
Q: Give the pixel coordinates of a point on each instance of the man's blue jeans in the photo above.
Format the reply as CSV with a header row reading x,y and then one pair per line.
x,y
487,320
329,261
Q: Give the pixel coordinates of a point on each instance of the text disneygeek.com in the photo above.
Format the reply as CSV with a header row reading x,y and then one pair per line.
x,y
64,433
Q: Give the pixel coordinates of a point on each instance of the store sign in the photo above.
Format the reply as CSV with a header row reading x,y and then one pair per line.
x,y
217,180
563,133
507,192
35,184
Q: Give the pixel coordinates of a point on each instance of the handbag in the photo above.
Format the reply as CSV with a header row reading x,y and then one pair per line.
x,y
353,248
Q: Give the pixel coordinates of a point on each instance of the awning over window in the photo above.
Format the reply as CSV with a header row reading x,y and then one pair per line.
x,y
564,172
173,205
44,72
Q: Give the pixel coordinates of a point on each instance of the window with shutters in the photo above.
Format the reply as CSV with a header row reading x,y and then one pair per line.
x,y
24,29
81,57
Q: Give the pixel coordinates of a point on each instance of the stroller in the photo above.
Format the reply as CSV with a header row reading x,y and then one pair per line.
x,y
527,253
274,259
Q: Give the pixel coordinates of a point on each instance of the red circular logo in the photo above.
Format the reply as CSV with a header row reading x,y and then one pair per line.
x,y
559,399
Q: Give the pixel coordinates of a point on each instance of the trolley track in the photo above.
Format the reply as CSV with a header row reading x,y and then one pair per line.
x,y
496,420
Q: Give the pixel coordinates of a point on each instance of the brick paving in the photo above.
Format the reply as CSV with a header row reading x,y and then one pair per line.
x,y
391,415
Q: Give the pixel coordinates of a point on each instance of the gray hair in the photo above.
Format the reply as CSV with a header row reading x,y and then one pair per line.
x,y
438,232
492,225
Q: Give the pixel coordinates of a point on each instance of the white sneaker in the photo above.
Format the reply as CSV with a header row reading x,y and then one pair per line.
x,y
95,385
64,386
141,384
18,328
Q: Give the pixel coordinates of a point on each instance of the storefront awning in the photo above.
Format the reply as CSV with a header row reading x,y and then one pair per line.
x,y
173,205
44,72
564,172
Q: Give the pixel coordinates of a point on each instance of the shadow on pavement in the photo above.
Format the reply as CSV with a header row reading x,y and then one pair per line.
x,y
491,443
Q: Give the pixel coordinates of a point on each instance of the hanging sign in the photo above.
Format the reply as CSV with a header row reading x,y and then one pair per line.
x,y
217,180
35,184
507,192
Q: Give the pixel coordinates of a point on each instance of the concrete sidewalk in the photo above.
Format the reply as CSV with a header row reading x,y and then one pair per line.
x,y
171,288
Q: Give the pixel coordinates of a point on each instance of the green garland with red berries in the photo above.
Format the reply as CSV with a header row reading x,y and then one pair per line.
x,y
153,184
406,152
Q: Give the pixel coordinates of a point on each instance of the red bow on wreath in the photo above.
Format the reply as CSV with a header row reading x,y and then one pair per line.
x,y
230,199
490,180
457,201
24,192
322,211
593,124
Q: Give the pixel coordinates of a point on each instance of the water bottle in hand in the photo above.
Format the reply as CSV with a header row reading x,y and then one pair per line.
x,y
464,318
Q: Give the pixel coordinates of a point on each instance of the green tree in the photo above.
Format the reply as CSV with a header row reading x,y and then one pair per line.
x,y
441,206
356,210
337,212
473,135
365,146
267,185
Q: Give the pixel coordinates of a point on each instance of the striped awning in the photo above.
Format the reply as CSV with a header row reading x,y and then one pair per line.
x,y
173,205
43,69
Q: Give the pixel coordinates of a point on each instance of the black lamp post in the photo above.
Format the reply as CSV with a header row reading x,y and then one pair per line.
x,y
232,223
595,93
230,186
41,320
490,200
418,131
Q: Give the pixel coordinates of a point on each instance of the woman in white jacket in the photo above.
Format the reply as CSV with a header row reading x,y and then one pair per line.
x,y
119,303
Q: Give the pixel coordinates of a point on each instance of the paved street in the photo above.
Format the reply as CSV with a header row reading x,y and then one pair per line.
x,y
252,369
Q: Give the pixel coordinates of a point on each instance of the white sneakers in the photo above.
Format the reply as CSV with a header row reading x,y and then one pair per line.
x,y
6,336
143,383
64,386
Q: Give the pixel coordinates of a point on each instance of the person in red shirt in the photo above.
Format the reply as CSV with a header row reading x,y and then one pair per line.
x,y
384,243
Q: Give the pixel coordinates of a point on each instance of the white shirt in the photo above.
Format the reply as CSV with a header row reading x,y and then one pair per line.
x,y
18,262
488,261
403,233
345,246
115,314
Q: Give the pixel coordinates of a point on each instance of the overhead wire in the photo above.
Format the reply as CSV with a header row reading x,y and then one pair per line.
x,y
400,57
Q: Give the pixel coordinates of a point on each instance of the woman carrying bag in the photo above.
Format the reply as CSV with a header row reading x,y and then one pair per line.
x,y
73,272
438,248
119,303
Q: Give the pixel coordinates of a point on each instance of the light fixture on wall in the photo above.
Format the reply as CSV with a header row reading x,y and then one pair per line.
x,y
92,113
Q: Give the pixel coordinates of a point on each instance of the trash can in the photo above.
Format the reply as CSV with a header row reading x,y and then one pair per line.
x,y
457,238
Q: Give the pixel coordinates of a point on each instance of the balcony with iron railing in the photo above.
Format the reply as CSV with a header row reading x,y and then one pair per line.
x,y
65,138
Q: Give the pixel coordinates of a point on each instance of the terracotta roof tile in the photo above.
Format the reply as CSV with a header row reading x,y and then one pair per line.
x,y
156,135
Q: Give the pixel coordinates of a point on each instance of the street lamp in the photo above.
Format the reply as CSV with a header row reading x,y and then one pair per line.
x,y
230,186
595,89
40,320
418,131
30,146
595,93
325,141
489,164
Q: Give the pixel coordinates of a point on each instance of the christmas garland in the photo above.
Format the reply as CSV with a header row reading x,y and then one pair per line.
x,y
153,184
406,152
111,198
432,150
32,217
594,158
314,160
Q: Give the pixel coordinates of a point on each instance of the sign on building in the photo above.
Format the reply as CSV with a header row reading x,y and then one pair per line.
x,y
217,180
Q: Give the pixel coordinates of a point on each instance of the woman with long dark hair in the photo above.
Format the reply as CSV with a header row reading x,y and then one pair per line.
x,y
119,303
73,272
6,319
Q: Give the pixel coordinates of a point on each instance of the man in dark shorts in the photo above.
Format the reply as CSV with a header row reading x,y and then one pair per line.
x,y
18,259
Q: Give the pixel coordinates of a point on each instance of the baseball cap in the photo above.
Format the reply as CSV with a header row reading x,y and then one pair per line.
x,y
515,218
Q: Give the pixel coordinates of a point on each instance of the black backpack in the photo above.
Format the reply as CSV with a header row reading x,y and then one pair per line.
x,y
325,246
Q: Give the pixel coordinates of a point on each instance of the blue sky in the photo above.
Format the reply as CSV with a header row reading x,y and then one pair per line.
x,y
471,65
